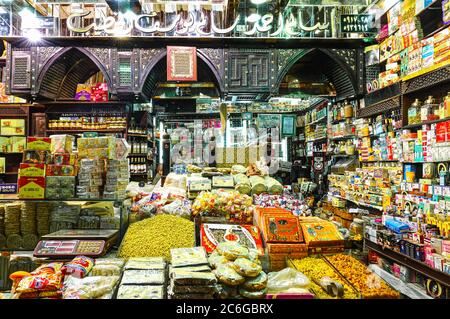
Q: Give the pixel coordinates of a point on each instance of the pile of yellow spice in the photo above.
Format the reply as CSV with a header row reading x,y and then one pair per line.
x,y
155,236
316,269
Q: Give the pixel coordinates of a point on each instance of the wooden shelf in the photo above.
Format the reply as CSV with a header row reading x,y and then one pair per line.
x,y
85,130
10,173
317,139
11,153
341,138
137,154
409,262
317,121
75,102
425,123
137,135
358,203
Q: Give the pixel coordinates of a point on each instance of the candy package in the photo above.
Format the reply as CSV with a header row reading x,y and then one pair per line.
x,y
79,267
45,278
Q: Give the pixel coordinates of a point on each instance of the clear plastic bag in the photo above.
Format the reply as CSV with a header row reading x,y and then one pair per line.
x,y
89,287
286,279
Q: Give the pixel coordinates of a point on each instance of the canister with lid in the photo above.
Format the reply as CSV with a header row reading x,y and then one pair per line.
x,y
430,110
414,112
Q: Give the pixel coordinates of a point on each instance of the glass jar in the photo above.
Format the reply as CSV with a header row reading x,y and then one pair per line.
x,y
414,112
348,110
429,110
357,229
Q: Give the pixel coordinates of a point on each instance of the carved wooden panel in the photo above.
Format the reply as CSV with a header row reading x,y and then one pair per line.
x,y
249,70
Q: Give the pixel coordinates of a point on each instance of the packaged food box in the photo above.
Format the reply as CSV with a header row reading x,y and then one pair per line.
x,y
282,229
140,292
39,143
33,157
31,170
287,248
83,92
31,187
248,235
149,277
321,233
60,170
181,257
18,144
12,127
61,143
5,144
223,181
64,159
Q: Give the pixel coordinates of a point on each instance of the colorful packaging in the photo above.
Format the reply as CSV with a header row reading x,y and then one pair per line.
x,y
2,165
83,92
39,143
31,187
12,127
213,234
281,229
18,144
31,170
79,267
60,170
61,143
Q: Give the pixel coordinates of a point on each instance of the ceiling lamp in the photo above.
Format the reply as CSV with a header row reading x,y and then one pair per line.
x,y
257,2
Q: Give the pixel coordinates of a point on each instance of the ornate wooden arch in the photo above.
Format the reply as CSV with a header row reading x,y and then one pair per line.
x,y
211,57
90,53
288,58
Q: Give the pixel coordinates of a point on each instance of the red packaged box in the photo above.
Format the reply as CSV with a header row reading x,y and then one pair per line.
x,y
63,159
31,170
38,143
441,132
31,187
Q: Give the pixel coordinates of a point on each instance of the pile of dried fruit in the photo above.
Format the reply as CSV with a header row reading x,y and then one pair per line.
x,y
316,269
154,237
368,283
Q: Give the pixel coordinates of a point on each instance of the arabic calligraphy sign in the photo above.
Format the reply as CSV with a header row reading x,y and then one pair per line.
x,y
203,23
181,64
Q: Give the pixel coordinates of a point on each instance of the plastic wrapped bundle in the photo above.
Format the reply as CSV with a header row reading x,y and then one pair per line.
x,y
258,184
274,187
242,183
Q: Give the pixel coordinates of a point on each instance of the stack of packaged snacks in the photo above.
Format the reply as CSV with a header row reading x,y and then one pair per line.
x,y
12,225
286,201
143,278
28,225
43,218
90,178
190,274
44,282
238,271
117,178
64,216
97,147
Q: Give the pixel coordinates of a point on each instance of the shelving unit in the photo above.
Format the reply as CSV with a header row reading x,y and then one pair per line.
x,y
12,159
411,263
